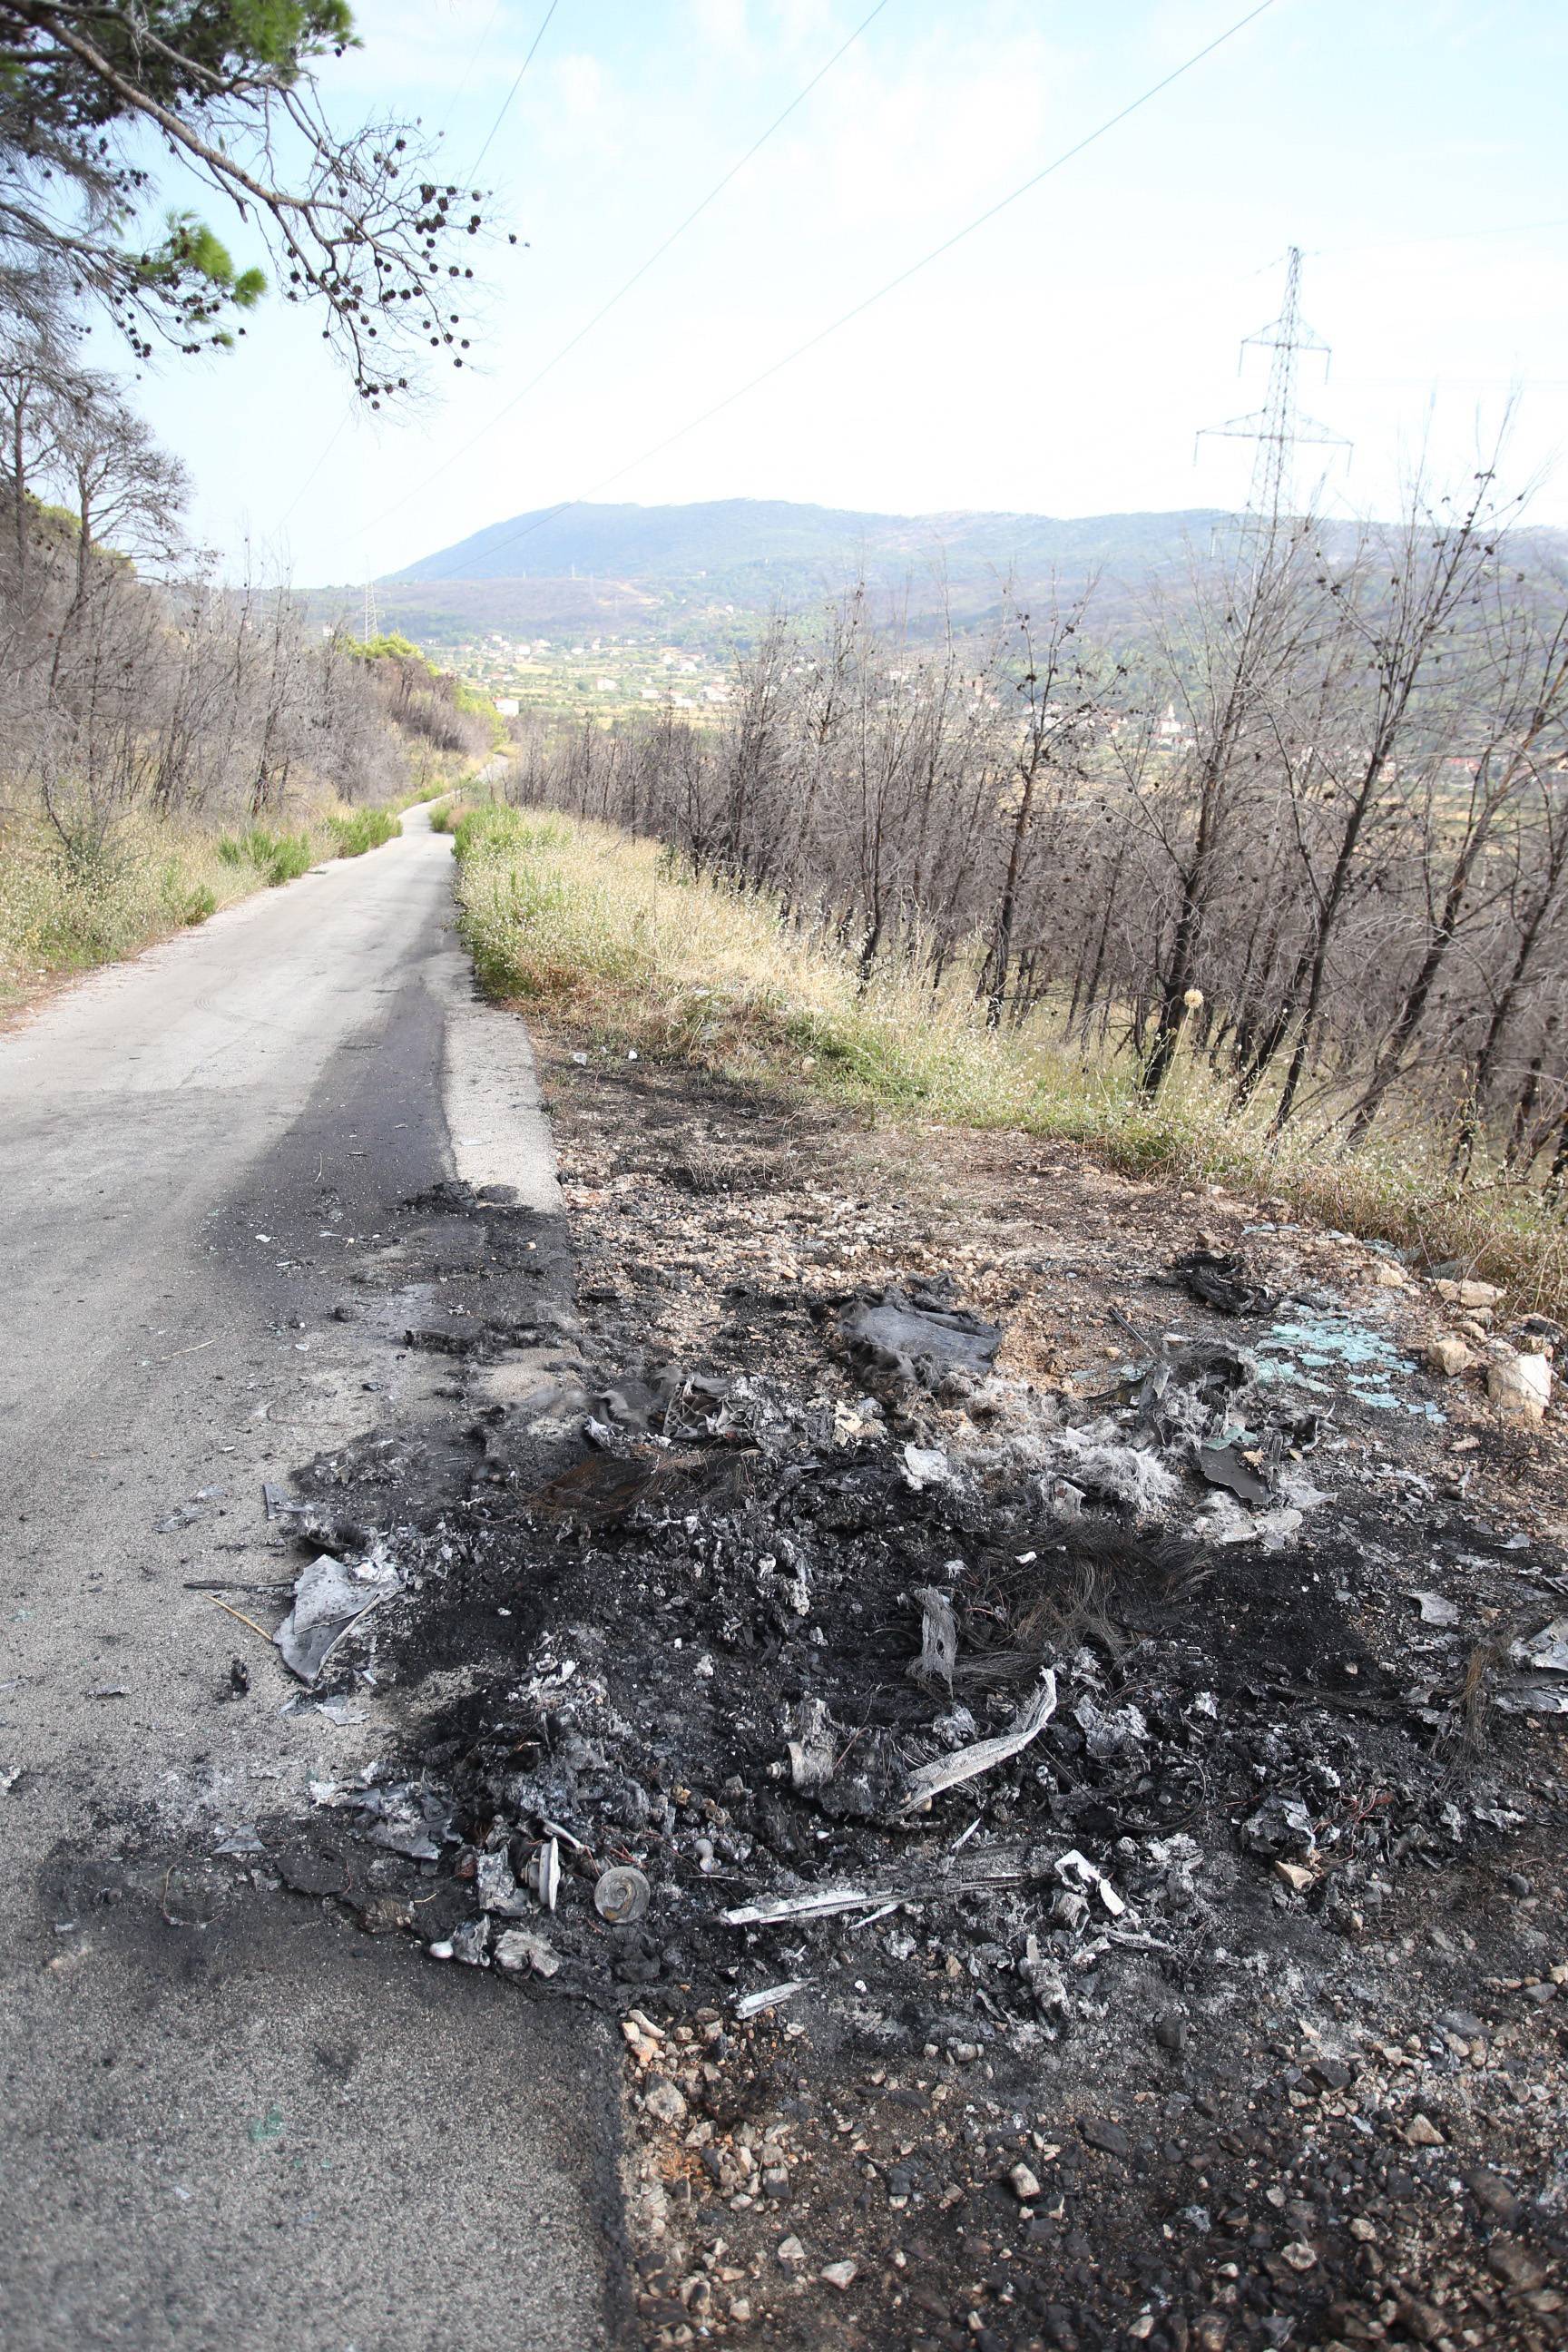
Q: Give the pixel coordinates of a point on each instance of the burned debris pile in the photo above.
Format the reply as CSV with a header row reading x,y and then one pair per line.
x,y
934,1674
1070,1834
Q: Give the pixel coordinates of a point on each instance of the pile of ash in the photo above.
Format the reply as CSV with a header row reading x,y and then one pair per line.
x,y
973,1699
1070,1867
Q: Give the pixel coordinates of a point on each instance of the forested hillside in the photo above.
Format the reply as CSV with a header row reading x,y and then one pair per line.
x,y
726,563
713,572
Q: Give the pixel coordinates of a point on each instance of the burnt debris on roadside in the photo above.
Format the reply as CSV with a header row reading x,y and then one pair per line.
x,y
1028,1674
1038,1755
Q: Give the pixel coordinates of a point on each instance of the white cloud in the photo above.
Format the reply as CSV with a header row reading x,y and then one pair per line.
x,y
722,24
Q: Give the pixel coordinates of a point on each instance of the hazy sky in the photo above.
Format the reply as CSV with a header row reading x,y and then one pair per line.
x,y
1060,361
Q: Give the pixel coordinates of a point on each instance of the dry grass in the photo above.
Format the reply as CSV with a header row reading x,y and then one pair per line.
x,y
62,912
591,923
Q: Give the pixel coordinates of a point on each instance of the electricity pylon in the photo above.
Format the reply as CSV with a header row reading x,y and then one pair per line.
x,y
1277,426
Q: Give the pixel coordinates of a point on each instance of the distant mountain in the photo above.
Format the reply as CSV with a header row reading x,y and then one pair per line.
x,y
745,539
716,568
710,573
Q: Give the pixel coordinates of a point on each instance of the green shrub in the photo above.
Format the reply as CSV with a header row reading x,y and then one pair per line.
x,y
366,828
278,857
185,901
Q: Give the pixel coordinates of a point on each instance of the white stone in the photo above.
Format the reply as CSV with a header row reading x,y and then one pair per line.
x,y
1519,1386
665,2104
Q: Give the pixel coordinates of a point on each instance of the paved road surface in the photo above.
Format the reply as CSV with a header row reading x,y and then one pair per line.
x,y
269,2130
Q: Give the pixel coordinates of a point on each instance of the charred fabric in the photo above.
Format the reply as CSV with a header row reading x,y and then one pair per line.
x,y
788,1690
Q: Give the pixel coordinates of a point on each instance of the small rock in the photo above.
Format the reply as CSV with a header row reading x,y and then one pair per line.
x,y
1519,1386
1513,2264
665,2104
1492,2193
1332,2073
838,2274
1108,2135
1170,2031
1295,1875
1300,2255
1362,2230
1468,1294
1422,2132
790,2255
1025,2184
519,1948
1447,1355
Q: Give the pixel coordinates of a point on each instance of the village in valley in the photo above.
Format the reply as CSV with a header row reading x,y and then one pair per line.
x,y
603,676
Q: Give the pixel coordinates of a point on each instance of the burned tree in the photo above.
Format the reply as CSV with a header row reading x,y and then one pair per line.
x,y
123,490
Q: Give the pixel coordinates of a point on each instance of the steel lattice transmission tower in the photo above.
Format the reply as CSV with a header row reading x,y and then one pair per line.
x,y
372,611
1277,427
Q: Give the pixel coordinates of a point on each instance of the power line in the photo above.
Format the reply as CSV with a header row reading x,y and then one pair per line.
x,y
622,291
343,423
517,85
466,75
859,310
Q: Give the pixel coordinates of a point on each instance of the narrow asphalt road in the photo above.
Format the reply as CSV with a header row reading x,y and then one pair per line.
x,y
241,2123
